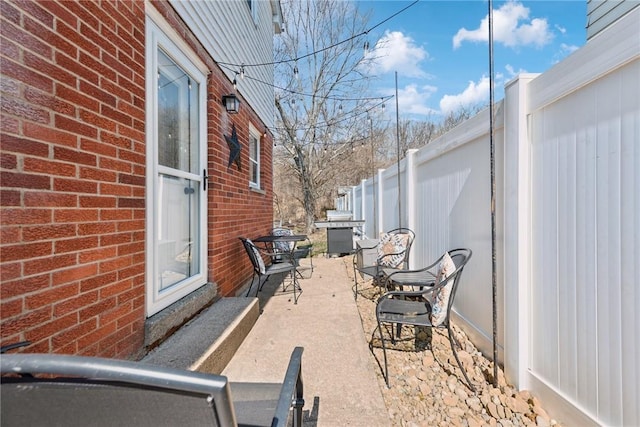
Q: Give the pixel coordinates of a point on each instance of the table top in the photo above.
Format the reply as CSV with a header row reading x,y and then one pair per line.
x,y
270,239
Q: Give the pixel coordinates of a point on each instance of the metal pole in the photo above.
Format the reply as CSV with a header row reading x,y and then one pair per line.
x,y
494,289
373,185
398,155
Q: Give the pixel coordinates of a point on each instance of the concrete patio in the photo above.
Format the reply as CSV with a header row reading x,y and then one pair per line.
x,y
340,384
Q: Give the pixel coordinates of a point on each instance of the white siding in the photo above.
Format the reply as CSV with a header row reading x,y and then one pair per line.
x,y
602,13
228,32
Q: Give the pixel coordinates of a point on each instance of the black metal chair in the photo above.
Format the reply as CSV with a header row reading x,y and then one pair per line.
x,y
299,251
420,300
61,390
260,269
393,251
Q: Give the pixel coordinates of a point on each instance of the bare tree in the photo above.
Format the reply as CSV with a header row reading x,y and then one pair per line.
x,y
320,115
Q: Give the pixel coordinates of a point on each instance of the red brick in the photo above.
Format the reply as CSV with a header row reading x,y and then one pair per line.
x,y
98,335
75,215
47,232
116,264
94,91
73,333
10,13
8,161
49,263
74,185
79,244
76,97
77,126
114,165
115,114
26,41
97,281
111,316
115,189
131,225
98,201
38,165
61,13
99,228
129,202
9,198
25,180
25,110
115,239
24,322
8,125
77,303
115,214
50,69
9,235
95,174
10,271
75,156
99,254
97,120
11,308
50,296
136,268
25,251
96,309
47,199
24,286
19,145
116,140
98,147
75,273
48,134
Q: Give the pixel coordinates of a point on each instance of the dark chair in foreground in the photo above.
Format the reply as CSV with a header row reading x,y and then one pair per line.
x,y
261,270
393,251
425,303
297,251
83,391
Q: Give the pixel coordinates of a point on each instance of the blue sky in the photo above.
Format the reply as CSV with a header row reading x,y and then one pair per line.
x,y
440,48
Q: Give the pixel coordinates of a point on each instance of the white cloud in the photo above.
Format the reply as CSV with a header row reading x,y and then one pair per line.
x,y
511,27
397,52
474,94
512,72
413,99
565,50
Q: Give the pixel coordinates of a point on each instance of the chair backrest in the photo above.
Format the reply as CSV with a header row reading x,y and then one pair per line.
x,y
445,291
394,248
282,246
80,391
254,256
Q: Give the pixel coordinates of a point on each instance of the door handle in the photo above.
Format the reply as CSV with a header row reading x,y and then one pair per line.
x,y
205,179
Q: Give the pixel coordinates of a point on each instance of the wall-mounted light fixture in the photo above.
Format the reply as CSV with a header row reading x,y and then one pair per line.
x,y
231,103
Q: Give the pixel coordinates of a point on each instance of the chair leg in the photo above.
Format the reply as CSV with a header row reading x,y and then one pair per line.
x,y
455,354
251,285
384,353
262,285
355,278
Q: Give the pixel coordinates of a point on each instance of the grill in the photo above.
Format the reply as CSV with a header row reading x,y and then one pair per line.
x,y
339,227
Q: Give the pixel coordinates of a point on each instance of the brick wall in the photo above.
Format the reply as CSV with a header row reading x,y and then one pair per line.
x,y
72,183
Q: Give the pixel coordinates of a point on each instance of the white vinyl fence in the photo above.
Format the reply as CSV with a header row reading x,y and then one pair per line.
x,y
568,227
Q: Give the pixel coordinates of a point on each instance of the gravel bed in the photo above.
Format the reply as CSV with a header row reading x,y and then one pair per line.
x,y
427,387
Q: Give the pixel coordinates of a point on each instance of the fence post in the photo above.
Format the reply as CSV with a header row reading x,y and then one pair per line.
x,y
378,198
410,197
517,227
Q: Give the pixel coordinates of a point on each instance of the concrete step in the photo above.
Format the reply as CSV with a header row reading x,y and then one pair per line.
x,y
208,342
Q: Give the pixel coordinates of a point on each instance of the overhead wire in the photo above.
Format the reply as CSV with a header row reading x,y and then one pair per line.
x,y
284,61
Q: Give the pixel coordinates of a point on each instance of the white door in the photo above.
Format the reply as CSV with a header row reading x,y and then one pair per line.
x,y
176,162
